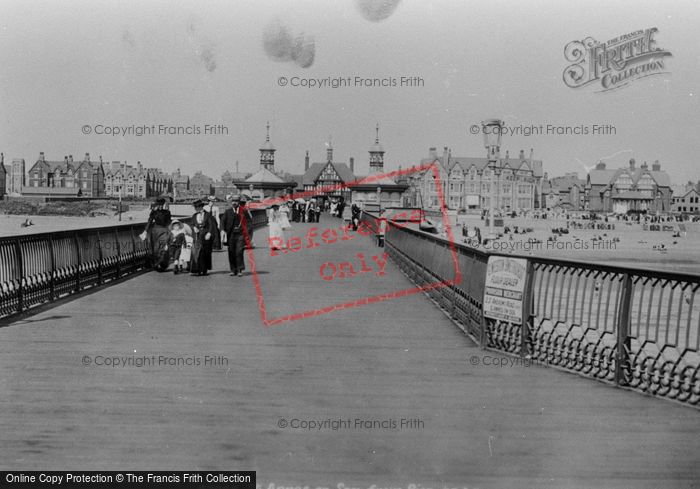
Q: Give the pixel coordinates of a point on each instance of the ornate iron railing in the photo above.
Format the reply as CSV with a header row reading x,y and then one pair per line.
x,y
635,328
40,268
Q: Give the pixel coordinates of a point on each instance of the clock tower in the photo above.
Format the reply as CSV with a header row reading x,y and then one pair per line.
x,y
376,155
267,153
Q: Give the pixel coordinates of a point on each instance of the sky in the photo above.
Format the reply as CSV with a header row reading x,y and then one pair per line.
x,y
69,64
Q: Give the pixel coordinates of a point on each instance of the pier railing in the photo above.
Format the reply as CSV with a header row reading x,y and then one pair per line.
x,y
634,328
40,268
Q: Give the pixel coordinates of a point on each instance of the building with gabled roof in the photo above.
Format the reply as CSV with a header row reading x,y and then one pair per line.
x,y
685,199
466,182
628,189
567,192
85,175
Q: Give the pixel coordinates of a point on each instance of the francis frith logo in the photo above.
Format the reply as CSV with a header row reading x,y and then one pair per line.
x,y
615,63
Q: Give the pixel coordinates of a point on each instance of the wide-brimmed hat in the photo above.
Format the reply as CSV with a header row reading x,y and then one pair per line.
x,y
211,198
160,201
198,203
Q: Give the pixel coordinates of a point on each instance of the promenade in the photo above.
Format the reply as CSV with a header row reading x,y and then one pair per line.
x,y
480,424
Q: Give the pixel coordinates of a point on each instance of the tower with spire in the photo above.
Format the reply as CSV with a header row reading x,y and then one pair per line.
x,y
329,150
376,155
267,153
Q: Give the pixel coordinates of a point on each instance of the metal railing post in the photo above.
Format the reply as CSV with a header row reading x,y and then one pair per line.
x,y
52,284
20,274
133,249
119,253
100,280
79,258
623,329
525,331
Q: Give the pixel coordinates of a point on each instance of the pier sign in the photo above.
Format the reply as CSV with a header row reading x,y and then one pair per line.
x,y
505,287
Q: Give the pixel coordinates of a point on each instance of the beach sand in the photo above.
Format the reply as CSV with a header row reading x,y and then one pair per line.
x,y
635,248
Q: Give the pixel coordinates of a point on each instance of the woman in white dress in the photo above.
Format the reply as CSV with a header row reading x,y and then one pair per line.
x,y
274,220
284,216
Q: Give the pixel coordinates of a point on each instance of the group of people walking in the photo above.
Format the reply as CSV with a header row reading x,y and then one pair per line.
x,y
189,247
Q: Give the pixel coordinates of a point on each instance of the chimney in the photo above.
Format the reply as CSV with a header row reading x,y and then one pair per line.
x,y
65,159
445,155
70,158
632,164
306,161
656,166
87,157
645,166
140,167
600,165
507,155
532,154
329,151
522,154
2,158
352,165
546,177
432,153
41,156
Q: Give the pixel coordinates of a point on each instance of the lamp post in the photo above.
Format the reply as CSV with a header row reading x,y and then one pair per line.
x,y
491,129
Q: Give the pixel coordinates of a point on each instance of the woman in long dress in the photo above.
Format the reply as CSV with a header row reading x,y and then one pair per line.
x,y
275,225
158,233
203,228
284,217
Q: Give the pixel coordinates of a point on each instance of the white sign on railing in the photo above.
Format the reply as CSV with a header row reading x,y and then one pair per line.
x,y
504,290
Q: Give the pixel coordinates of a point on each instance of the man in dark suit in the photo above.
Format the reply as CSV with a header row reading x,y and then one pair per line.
x,y
204,228
232,224
248,221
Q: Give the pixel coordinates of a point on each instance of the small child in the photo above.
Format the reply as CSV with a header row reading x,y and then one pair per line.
x,y
180,247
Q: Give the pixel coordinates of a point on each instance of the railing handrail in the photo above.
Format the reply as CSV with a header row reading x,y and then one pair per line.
x,y
634,327
41,267
572,263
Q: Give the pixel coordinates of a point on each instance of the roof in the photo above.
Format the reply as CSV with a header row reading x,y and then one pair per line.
x,y
466,162
565,182
684,192
315,170
264,176
376,148
608,177
267,146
